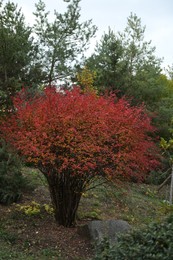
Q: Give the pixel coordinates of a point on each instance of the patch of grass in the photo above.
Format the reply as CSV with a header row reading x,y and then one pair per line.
x,y
8,241
8,237
50,253
7,252
139,204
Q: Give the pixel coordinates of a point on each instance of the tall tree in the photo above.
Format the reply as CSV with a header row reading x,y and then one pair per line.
x,y
143,65
61,41
108,63
127,63
15,52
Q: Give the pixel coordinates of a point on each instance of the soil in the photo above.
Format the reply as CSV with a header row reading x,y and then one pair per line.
x,y
40,232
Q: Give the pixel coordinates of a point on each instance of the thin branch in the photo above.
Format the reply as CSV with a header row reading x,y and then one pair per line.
x,y
163,183
96,186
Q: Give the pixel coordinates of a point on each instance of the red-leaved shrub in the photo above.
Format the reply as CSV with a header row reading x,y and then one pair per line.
x,y
73,137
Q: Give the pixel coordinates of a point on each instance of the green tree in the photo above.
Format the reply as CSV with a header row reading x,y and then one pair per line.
x,y
62,41
108,63
16,52
164,106
143,66
126,62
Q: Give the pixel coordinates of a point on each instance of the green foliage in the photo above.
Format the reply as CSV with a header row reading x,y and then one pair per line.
x,y
8,236
166,208
104,251
7,253
49,253
61,42
107,62
143,67
170,72
125,62
167,147
16,52
11,179
153,242
40,54
164,106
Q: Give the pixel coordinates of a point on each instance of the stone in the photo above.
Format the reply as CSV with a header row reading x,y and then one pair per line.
x,y
97,230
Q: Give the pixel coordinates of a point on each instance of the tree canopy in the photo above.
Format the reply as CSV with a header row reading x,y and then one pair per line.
x,y
125,63
61,42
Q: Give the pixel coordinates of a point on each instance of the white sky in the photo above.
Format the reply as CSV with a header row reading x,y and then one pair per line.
x,y
157,15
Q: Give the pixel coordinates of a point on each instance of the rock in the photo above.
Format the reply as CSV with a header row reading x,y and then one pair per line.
x,y
97,230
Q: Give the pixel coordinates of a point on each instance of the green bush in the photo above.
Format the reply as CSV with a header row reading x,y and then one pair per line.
x,y
11,179
153,242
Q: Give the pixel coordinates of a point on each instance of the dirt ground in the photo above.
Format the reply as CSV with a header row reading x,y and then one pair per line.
x,y
40,232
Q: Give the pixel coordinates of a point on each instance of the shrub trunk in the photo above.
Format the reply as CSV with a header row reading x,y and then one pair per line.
x,y
65,192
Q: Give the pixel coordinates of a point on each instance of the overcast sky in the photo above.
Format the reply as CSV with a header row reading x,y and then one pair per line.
x,y
157,15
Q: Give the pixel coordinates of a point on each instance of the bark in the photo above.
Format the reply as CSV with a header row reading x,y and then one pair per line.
x,y
65,192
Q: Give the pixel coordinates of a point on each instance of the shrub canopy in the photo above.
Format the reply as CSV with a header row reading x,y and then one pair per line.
x,y
73,136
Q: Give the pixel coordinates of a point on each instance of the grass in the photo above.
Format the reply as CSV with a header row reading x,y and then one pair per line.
x,y
8,252
139,204
9,249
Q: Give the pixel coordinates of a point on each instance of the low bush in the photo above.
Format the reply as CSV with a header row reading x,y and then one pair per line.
x,y
35,208
153,242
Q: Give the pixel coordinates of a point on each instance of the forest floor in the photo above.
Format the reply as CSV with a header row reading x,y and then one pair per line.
x,y
28,229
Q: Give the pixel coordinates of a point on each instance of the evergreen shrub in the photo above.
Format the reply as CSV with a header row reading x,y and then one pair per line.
x,y
11,179
152,242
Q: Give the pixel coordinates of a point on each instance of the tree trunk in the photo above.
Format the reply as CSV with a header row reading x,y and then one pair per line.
x,y
51,68
65,192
